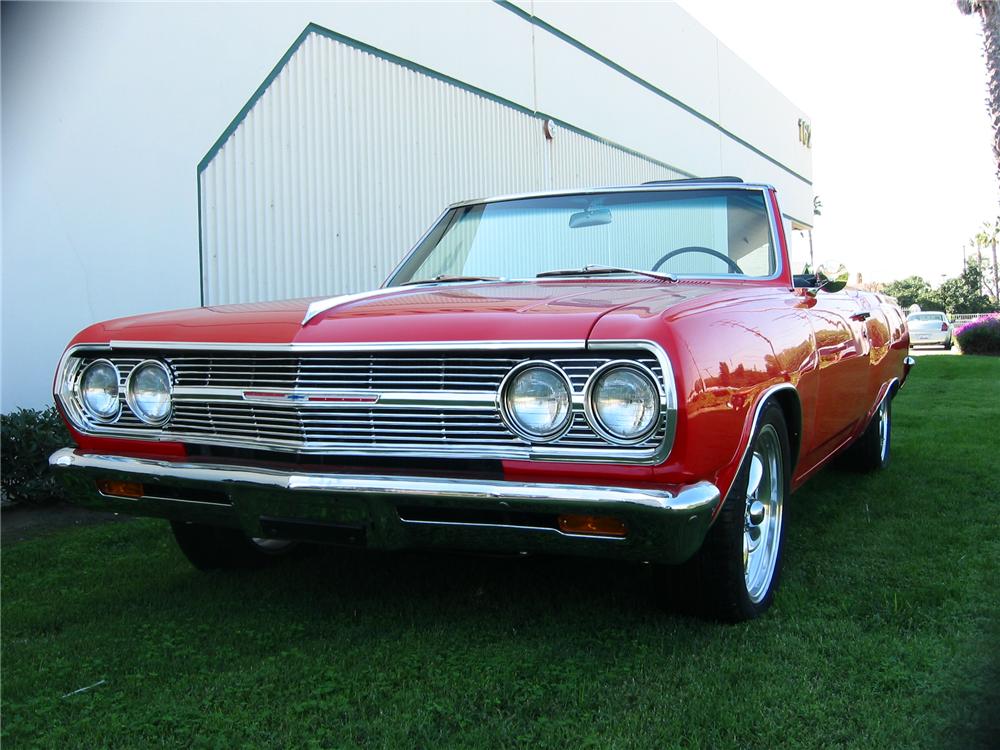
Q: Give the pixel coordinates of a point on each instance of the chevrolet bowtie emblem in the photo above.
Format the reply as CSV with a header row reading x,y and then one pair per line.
x,y
312,397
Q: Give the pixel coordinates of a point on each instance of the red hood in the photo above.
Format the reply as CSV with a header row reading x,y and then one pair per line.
x,y
542,310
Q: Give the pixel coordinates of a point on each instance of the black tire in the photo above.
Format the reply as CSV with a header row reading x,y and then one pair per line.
x,y
947,346
218,548
722,567
870,452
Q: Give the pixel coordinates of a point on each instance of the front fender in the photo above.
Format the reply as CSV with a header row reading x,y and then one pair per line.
x,y
728,361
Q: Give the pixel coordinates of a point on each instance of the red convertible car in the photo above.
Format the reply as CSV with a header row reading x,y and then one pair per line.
x,y
624,372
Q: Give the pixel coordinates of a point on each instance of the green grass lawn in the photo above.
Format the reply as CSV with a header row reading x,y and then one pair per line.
x,y
884,635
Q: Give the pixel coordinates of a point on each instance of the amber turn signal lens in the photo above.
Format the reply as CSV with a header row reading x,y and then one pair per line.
x,y
115,488
596,525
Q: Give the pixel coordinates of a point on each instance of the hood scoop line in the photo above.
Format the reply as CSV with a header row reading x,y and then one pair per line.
x,y
323,305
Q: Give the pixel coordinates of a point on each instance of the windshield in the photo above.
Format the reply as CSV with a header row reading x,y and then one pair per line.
x,y
918,317
682,232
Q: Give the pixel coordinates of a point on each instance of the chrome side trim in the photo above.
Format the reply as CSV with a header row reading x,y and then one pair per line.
x,y
690,499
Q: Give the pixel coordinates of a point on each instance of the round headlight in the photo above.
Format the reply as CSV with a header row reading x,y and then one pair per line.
x,y
624,404
99,391
148,392
537,402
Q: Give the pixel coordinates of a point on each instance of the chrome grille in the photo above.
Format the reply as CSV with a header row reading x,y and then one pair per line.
x,y
378,372
333,427
210,406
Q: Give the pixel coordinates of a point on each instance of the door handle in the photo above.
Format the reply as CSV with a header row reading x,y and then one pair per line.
x,y
861,316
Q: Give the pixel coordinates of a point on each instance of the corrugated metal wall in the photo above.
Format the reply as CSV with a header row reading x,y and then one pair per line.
x,y
347,157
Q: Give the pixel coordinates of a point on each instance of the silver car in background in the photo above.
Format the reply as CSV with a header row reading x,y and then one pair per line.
x,y
929,328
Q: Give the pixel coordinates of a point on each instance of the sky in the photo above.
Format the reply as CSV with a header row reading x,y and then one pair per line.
x,y
895,92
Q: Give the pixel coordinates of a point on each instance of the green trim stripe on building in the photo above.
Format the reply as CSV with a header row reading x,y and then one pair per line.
x,y
536,21
418,68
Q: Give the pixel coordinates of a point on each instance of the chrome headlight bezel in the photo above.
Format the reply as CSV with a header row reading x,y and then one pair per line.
x,y
130,396
508,413
594,417
86,410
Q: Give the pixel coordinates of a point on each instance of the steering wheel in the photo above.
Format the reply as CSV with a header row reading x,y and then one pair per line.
x,y
699,249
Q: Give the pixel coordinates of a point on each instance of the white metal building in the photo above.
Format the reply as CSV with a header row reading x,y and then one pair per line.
x,y
161,156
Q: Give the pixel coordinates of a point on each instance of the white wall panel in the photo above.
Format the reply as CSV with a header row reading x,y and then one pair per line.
x,y
348,157
685,62
760,114
341,165
670,51
578,88
794,197
576,160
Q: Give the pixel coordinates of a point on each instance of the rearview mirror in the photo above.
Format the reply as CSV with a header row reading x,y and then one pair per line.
x,y
592,217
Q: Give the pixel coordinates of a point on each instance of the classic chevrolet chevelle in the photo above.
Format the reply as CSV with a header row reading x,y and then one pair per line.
x,y
626,372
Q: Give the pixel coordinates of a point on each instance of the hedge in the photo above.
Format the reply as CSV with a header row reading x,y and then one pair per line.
x,y
980,336
27,438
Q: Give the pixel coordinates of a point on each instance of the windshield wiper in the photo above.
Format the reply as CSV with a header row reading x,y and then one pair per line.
x,y
444,278
596,270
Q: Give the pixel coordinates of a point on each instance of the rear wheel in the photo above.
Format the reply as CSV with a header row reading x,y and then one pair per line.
x,y
871,451
947,345
740,563
214,548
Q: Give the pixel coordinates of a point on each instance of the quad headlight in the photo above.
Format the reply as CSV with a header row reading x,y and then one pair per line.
x,y
98,390
623,403
536,401
148,392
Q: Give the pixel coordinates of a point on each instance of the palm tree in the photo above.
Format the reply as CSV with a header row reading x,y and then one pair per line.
x,y
989,13
988,236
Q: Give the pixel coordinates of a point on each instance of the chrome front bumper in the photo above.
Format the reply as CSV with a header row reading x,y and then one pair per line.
x,y
396,512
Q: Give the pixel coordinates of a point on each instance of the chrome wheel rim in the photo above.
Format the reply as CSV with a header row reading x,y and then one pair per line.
x,y
883,428
762,517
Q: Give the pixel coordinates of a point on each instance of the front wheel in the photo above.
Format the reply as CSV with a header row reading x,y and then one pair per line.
x,y
214,548
740,563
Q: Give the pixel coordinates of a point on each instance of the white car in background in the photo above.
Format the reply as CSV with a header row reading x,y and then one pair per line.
x,y
929,328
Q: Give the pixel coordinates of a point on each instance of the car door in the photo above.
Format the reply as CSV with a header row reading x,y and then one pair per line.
x,y
842,350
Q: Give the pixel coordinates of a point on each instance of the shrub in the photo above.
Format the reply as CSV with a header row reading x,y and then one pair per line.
x,y
980,336
27,438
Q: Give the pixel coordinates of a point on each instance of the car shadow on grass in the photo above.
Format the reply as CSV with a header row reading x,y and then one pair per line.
x,y
443,584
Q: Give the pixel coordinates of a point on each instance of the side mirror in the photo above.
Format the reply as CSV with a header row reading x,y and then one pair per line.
x,y
830,277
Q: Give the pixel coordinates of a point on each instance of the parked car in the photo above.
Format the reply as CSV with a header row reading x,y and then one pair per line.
x,y
930,328
628,373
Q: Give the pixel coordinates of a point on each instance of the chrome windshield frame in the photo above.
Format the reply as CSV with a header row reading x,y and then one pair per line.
x,y
764,189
